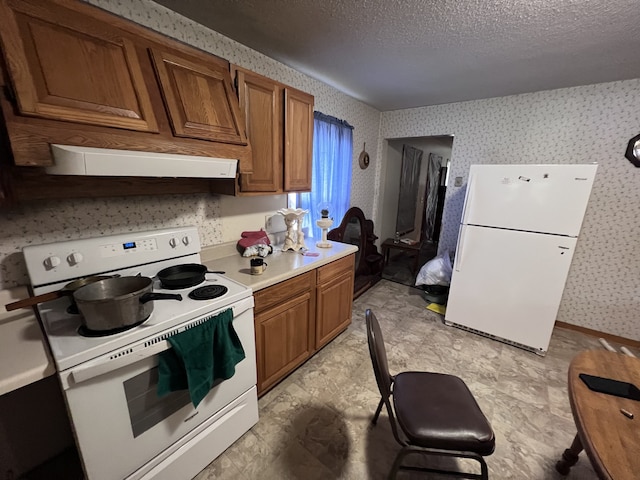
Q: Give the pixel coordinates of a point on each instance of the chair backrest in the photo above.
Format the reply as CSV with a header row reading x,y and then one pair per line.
x,y
378,354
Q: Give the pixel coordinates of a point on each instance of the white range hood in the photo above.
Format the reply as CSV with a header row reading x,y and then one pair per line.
x,y
73,160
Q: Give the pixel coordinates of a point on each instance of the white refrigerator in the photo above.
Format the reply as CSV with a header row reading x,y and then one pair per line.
x,y
518,233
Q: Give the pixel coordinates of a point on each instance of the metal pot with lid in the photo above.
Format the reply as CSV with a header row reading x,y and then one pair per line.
x,y
117,302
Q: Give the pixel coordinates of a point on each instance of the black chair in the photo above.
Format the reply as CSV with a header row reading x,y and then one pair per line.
x,y
437,414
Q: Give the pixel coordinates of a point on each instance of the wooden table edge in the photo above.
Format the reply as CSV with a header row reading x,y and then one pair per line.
x,y
576,367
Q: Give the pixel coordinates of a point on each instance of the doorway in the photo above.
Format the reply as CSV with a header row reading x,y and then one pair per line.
x,y
435,153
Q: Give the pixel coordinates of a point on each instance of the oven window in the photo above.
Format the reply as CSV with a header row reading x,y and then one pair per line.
x,y
146,409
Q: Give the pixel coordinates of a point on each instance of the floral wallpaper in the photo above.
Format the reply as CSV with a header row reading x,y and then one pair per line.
x,y
82,218
573,125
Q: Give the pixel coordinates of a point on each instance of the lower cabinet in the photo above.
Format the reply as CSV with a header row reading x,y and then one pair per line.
x,y
284,317
295,318
334,299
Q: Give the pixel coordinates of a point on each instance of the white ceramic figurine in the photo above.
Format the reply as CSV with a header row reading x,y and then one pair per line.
x,y
294,239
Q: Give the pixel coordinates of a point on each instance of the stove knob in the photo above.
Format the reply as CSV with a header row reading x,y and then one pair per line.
x,y
186,239
173,242
51,262
75,258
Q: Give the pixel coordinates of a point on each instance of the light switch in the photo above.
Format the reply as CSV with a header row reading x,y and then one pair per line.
x,y
457,182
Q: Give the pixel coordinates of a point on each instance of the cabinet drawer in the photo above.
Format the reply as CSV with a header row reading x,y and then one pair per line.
x,y
278,293
330,271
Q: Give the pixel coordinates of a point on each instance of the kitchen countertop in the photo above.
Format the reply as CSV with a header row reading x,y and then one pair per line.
x,y
281,265
24,353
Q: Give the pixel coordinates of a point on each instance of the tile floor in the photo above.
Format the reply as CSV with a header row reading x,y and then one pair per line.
x,y
316,423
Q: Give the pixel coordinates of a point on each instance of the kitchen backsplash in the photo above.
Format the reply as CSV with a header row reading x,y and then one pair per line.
x,y
84,218
572,125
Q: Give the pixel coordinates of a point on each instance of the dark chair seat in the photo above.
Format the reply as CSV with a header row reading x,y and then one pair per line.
x,y
433,414
436,410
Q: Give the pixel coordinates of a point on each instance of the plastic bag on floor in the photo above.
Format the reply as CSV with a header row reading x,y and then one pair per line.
x,y
436,271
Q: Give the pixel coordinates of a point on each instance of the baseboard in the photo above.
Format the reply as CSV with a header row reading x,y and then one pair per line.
x,y
595,333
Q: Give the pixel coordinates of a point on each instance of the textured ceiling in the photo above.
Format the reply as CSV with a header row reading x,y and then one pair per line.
x,y
394,54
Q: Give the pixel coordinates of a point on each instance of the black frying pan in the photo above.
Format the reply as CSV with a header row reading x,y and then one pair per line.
x,y
183,276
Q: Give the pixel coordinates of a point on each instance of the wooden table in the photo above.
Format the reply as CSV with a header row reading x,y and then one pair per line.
x,y
389,243
611,440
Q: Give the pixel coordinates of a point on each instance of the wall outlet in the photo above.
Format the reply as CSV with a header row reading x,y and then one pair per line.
x,y
274,223
457,182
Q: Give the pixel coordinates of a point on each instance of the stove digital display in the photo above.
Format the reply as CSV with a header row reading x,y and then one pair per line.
x,y
129,245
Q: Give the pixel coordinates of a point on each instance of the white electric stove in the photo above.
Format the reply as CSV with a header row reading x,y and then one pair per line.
x,y
109,381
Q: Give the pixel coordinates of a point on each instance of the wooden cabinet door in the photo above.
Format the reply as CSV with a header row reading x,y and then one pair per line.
x,y
334,299
261,100
199,98
283,339
298,140
68,66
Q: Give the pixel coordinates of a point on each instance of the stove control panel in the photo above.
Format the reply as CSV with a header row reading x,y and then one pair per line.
x,y
176,242
129,247
62,261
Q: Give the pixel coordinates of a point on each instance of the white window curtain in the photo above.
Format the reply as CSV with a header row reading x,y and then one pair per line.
x,y
331,170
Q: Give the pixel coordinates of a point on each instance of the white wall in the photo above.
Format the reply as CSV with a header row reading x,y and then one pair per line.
x,y
573,125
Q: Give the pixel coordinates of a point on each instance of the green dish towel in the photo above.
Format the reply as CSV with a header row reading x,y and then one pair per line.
x,y
200,356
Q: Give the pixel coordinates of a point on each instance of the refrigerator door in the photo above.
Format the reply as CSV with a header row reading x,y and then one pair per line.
x,y
534,198
509,284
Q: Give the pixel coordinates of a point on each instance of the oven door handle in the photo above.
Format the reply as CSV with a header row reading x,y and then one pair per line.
x,y
107,364
92,370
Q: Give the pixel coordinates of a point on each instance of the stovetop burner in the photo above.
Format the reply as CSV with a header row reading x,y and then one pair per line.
x,y
87,332
208,292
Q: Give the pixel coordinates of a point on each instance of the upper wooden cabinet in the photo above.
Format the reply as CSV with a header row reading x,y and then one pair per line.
x,y
199,98
261,101
74,74
66,66
298,140
280,129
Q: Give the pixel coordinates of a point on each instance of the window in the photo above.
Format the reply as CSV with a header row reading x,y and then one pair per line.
x,y
331,173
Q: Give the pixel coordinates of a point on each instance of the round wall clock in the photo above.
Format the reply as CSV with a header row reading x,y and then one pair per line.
x,y
364,158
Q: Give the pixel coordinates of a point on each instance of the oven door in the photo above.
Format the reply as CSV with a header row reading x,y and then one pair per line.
x,y
119,421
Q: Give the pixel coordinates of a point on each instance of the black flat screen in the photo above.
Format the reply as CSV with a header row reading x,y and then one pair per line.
x,y
610,386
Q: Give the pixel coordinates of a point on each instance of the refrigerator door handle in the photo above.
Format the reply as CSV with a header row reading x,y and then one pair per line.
x,y
460,248
467,200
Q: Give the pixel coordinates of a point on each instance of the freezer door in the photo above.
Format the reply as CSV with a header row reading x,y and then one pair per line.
x,y
534,198
509,284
